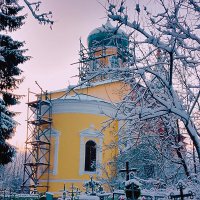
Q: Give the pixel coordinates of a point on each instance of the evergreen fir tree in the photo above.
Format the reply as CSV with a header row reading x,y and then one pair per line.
x,y
11,55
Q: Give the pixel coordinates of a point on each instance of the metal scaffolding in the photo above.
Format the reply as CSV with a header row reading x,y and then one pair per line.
x,y
38,142
92,59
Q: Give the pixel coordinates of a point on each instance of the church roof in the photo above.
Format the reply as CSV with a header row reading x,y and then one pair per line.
x,y
83,97
107,35
86,85
108,27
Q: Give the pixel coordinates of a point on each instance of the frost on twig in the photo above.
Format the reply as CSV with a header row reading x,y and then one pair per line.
x,y
173,30
43,18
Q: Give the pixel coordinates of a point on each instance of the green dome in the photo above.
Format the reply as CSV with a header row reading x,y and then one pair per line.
x,y
108,36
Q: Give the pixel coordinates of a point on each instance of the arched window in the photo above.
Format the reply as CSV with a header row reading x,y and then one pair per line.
x,y
90,156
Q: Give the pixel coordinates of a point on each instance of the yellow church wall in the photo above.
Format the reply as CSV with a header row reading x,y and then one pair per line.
x,y
57,94
69,126
110,91
110,149
107,51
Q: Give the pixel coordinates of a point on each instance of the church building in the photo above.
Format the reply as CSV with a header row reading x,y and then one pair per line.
x,y
83,133
73,133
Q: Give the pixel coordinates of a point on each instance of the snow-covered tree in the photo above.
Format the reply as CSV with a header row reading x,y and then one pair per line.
x,y
11,56
7,126
43,18
11,177
153,143
172,30
153,153
162,70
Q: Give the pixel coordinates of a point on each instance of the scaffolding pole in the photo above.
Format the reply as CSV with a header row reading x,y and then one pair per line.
x,y
38,143
91,59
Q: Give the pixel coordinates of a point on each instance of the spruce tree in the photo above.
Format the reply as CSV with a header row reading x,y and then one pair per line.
x,y
11,56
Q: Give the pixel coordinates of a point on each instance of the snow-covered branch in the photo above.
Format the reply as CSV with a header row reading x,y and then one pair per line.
x,y
44,18
173,31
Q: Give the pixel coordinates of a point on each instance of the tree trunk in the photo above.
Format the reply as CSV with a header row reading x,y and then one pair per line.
x,y
193,135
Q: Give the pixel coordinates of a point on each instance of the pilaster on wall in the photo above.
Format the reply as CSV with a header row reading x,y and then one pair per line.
x,y
56,135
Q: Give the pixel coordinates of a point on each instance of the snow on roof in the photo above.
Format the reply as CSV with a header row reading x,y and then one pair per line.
x,y
60,90
88,197
104,194
119,191
155,193
83,97
102,82
108,27
136,182
86,85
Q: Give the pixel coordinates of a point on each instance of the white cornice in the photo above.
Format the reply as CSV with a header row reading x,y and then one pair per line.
x,y
83,106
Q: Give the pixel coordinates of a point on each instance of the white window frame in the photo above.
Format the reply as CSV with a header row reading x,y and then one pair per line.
x,y
85,136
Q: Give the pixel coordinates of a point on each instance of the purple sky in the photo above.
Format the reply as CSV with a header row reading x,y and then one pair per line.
x,y
54,50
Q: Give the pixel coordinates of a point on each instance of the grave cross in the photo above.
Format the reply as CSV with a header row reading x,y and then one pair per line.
x,y
92,185
64,193
182,196
73,192
127,170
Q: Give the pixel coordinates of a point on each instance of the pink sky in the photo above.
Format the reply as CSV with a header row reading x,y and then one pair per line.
x,y
54,50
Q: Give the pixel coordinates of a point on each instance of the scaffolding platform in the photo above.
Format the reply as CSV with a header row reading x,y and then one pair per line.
x,y
101,57
38,142
39,122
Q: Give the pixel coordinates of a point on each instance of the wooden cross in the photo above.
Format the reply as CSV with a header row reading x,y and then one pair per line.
x,y
181,195
127,170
